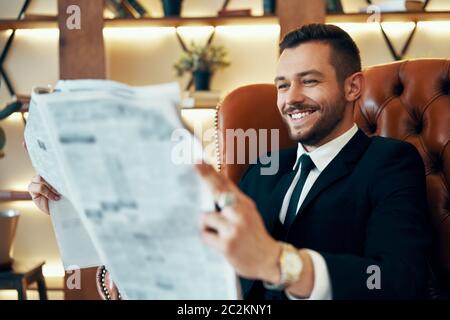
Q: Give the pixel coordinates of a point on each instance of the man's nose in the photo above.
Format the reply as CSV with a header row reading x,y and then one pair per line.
x,y
295,96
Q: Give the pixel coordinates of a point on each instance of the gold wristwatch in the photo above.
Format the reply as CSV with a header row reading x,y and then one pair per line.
x,y
291,266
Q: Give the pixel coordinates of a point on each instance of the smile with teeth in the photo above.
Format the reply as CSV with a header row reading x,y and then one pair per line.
x,y
300,115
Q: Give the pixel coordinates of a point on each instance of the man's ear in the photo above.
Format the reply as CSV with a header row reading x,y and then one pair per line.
x,y
354,86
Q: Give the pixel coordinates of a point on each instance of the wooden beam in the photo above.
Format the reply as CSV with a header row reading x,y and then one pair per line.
x,y
39,22
82,51
295,13
190,21
88,286
12,195
82,56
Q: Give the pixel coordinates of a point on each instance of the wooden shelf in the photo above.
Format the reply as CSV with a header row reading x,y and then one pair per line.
x,y
199,108
51,22
10,195
202,21
43,23
391,16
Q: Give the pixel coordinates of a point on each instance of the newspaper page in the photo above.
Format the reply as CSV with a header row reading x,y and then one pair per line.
x,y
75,246
133,188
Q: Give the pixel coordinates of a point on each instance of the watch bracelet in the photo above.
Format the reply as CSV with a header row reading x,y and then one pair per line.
x,y
284,278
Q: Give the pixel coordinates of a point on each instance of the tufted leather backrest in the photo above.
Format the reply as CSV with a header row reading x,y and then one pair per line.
x,y
409,100
406,100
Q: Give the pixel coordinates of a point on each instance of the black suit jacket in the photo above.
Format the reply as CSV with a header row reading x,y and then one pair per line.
x,y
368,207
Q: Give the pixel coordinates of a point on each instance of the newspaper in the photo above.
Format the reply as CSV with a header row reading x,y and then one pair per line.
x,y
130,200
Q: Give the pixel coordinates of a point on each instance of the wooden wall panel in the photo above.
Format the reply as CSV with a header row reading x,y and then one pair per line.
x,y
82,51
295,13
82,56
87,289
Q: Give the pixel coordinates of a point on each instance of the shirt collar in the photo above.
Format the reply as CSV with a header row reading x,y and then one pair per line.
x,y
324,154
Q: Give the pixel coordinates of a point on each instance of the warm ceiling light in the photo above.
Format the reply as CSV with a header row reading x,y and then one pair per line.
x,y
259,31
397,28
357,27
132,32
38,33
202,31
15,117
435,26
53,270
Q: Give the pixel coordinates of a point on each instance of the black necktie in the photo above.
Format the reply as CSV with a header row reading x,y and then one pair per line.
x,y
306,165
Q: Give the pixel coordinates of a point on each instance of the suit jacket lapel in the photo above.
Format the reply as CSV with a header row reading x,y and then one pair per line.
x,y
341,166
276,198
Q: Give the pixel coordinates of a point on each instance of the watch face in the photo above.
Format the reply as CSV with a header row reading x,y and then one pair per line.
x,y
293,263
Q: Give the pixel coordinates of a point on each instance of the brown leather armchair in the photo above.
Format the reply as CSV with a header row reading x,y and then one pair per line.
x,y
406,100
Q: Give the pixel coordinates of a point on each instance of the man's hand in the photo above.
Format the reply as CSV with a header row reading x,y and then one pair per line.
x,y
41,192
238,232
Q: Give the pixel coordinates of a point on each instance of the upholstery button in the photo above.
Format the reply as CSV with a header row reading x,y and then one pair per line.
x,y
446,87
372,127
419,127
398,89
437,165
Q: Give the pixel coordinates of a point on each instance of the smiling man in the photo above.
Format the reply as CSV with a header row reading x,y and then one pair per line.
x,y
344,217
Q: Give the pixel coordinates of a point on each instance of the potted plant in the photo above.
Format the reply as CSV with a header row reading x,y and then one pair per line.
x,y
172,7
8,110
269,7
202,62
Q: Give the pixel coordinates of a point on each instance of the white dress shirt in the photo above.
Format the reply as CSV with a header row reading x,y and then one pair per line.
x,y
321,157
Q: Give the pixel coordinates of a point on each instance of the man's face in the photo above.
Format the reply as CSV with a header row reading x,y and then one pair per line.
x,y
310,99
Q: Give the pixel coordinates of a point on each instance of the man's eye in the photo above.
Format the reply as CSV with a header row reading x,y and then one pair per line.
x,y
282,86
311,81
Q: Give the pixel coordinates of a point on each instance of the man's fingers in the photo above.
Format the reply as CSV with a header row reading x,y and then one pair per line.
x,y
231,214
33,189
210,223
44,204
53,189
215,221
213,240
37,179
40,189
44,190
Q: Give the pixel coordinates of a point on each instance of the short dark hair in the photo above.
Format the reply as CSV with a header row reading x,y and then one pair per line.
x,y
344,56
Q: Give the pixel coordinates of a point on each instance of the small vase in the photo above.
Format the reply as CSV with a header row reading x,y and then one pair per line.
x,y
172,8
202,80
269,7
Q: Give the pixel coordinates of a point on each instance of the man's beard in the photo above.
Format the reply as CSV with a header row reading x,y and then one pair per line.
x,y
324,126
